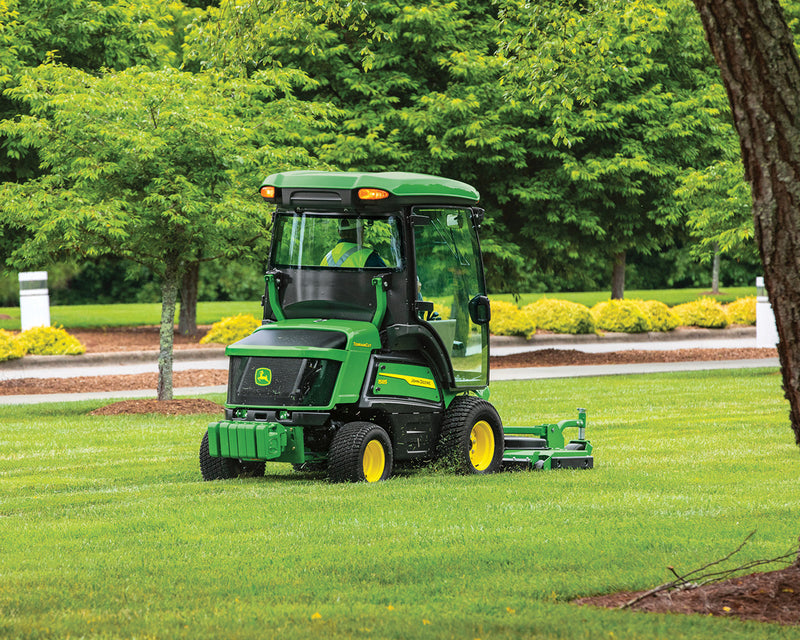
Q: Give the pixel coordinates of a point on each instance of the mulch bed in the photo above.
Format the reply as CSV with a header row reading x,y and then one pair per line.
x,y
144,338
163,407
773,596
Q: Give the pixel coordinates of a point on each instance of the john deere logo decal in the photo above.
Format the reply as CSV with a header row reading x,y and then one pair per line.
x,y
263,376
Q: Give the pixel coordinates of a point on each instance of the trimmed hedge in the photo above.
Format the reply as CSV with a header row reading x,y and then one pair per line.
x,y
560,316
10,346
704,312
442,310
659,316
231,329
509,320
742,311
50,341
621,316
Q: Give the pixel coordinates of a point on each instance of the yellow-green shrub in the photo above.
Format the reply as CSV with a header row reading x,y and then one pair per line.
x,y
50,341
742,311
442,310
509,320
231,329
10,346
560,316
659,316
705,312
625,316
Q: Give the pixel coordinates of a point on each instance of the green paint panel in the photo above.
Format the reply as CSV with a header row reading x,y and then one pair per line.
x,y
406,381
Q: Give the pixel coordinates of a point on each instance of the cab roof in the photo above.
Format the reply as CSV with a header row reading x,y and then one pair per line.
x,y
301,188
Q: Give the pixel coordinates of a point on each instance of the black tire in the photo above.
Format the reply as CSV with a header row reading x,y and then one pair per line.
x,y
214,468
360,452
471,438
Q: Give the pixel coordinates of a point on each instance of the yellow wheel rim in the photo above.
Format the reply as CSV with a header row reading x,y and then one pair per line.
x,y
374,461
481,445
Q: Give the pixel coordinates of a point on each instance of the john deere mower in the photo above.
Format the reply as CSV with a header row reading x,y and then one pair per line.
x,y
374,346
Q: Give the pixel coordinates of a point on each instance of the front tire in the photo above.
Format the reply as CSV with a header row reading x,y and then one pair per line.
x,y
472,436
360,452
214,468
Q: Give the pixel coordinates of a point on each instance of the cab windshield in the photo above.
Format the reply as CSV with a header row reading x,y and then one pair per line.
x,y
329,241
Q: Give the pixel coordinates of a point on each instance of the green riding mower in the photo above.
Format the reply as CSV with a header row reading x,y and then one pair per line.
x,y
374,346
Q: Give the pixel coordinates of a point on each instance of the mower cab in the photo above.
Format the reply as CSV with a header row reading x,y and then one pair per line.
x,y
374,346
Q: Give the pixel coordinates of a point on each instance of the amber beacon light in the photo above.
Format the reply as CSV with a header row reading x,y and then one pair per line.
x,y
372,194
268,192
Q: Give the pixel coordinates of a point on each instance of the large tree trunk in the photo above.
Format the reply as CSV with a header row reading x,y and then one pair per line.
x,y
618,277
761,72
187,316
169,296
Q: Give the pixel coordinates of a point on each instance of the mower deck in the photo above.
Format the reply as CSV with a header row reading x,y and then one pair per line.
x,y
543,446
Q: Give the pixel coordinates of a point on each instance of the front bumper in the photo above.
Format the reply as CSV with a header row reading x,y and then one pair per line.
x,y
248,440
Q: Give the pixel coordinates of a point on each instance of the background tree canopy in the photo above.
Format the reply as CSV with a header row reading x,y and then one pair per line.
x,y
576,120
597,131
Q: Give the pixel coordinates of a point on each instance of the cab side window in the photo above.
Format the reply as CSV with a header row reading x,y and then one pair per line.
x,y
449,275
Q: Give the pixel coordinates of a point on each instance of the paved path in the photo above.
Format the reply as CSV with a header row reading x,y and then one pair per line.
x,y
188,359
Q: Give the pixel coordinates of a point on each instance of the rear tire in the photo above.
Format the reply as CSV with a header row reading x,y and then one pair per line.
x,y
472,436
214,468
360,452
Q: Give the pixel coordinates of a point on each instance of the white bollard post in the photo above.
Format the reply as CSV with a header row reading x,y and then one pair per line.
x,y
34,300
766,329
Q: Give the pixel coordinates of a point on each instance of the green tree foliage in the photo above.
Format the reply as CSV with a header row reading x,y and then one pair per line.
x,y
85,34
715,202
593,129
155,166
624,98
574,119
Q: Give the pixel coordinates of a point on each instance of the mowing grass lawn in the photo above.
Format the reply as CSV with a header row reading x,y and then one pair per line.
x,y
107,530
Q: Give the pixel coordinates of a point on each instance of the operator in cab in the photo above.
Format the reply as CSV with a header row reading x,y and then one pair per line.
x,y
349,252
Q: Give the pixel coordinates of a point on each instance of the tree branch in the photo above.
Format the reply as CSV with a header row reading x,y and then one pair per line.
x,y
682,582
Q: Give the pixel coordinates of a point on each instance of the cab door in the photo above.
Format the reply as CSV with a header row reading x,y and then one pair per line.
x,y
449,273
